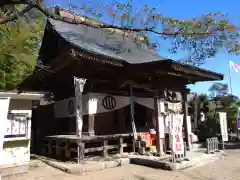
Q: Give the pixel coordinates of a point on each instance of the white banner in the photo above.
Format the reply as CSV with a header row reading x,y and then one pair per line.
x,y
177,138
93,103
161,127
223,125
4,105
160,106
189,125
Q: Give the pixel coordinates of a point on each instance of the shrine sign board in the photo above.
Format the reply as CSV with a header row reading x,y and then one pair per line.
x,y
177,138
223,125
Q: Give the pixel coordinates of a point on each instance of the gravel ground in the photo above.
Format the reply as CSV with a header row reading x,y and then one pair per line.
x,y
227,168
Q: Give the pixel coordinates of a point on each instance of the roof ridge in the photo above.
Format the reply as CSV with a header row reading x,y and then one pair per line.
x,y
73,15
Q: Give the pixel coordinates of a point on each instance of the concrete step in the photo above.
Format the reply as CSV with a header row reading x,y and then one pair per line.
x,y
198,145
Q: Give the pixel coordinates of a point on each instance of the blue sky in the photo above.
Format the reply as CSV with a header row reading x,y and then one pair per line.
x,y
186,9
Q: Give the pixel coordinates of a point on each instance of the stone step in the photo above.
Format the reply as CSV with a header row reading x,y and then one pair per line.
x,y
198,145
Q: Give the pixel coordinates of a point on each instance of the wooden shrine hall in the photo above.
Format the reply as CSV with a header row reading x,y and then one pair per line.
x,y
77,62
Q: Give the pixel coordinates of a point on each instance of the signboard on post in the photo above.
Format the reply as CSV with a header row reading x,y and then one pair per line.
x,y
177,138
161,127
189,125
223,125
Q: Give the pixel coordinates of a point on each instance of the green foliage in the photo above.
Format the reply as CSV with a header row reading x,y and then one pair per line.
x,y
227,103
208,128
223,102
19,42
230,106
201,37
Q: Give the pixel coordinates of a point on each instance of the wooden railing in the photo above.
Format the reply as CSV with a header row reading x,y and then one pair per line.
x,y
55,145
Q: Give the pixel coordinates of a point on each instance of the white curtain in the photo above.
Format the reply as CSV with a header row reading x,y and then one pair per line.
x,y
93,103
147,102
105,103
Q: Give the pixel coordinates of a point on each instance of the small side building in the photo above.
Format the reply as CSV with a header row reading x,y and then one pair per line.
x,y
15,152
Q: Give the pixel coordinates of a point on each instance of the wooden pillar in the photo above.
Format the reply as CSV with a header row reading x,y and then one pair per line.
x,y
159,126
79,85
196,109
91,122
92,110
80,151
121,145
185,112
49,152
132,114
105,148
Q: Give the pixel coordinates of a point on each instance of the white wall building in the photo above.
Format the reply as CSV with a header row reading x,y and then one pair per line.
x,y
15,131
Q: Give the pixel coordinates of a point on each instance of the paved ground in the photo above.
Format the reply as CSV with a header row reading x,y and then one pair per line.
x,y
227,168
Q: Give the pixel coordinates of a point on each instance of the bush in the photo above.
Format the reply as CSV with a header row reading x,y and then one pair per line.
x,y
208,128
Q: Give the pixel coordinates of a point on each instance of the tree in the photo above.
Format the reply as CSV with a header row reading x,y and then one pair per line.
x,y
230,105
219,89
199,103
19,42
202,37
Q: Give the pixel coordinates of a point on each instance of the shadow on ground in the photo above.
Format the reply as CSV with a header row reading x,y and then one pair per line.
x,y
230,145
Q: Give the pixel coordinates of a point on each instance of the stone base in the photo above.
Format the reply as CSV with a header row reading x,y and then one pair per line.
x,y
10,171
166,164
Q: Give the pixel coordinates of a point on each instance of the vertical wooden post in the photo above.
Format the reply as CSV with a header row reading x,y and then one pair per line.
x,y
196,109
121,145
67,149
91,122
132,118
49,146
57,147
185,112
159,124
132,113
79,85
105,148
80,149
92,110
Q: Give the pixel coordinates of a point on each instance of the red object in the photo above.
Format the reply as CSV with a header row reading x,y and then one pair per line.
x,y
153,139
147,137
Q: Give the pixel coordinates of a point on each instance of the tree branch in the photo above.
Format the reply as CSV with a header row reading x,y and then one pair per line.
x,y
36,4
13,17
